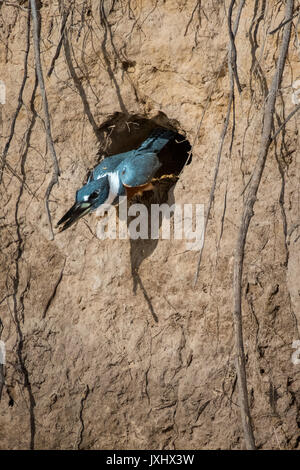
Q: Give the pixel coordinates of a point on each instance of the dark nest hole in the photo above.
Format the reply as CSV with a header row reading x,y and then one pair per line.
x,y
122,133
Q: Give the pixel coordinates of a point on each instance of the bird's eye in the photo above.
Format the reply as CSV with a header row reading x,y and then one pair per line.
x,y
124,171
94,195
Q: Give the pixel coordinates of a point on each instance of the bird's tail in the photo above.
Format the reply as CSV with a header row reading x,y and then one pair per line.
x,y
158,138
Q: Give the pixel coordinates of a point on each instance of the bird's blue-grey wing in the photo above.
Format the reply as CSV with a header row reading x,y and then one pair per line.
x,y
139,169
156,141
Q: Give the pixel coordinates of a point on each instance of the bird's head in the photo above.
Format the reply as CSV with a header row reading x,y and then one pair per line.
x,y
88,198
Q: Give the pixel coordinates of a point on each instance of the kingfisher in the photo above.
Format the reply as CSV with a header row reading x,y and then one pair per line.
x,y
125,174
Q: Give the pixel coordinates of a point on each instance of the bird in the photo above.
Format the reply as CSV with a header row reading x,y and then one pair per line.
x,y
124,174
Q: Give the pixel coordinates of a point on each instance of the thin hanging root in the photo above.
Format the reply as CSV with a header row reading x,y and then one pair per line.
x,y
172,176
244,226
38,66
4,164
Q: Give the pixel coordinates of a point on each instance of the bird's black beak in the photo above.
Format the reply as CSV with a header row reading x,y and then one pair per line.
x,y
75,213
